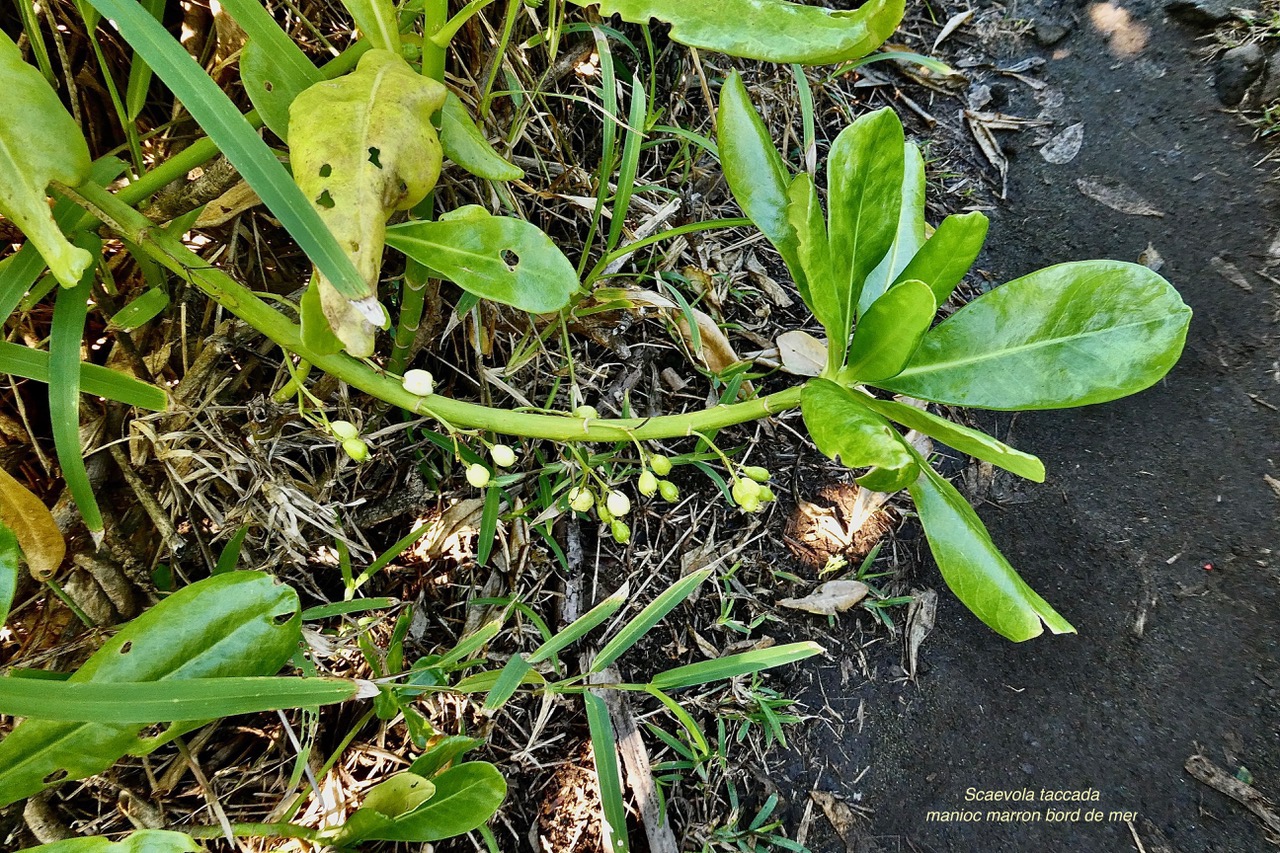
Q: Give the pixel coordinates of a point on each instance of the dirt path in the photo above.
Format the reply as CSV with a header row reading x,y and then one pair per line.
x,y
1156,533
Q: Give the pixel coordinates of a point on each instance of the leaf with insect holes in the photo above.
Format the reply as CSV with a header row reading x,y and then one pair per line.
x,y
236,624
39,143
31,522
146,841
363,147
770,30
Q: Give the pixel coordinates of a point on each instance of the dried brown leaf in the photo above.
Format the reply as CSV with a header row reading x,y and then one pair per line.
x,y
1117,196
829,599
31,522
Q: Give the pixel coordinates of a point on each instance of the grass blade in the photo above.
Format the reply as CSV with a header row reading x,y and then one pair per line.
x,y
236,138
18,360
581,626
630,162
604,743
647,618
8,570
509,680
169,700
69,315
733,665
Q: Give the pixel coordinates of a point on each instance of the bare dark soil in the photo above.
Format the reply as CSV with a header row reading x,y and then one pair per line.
x,y
1156,533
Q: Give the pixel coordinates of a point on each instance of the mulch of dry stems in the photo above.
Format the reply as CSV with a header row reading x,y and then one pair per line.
x,y
227,456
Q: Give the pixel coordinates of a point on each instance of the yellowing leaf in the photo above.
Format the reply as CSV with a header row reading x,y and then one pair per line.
x,y
33,525
363,147
39,143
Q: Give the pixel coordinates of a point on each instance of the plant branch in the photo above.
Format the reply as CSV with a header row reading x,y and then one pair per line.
x,y
242,302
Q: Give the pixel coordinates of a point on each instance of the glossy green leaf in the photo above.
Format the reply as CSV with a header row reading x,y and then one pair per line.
x,y
604,746
890,331
237,624
944,259
769,30
864,189
26,516
509,681
166,701
32,111
1067,335
731,666
145,841
377,21
70,312
911,229
756,174
466,796
317,336
501,258
9,557
362,147
385,803
845,429
974,568
971,441
273,69
465,144
19,360
140,311
139,84
639,625
442,753
813,254
235,138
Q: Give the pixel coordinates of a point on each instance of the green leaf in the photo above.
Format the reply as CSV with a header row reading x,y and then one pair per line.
x,y
1067,335
890,331
66,334
769,30
166,701
377,22
647,618
733,665
383,805
813,255
145,841
756,174
26,516
442,753
581,626
501,258
140,311
237,624
273,69
845,429
971,441
362,147
604,745
942,262
911,229
466,796
465,144
32,111
974,568
235,138
18,360
512,676
864,187
9,557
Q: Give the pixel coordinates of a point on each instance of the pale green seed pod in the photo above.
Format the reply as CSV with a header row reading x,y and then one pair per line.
x,y
745,491
670,491
581,499
343,430
621,532
757,473
356,449
647,484
419,382
602,512
478,475
766,494
617,503
502,455
661,465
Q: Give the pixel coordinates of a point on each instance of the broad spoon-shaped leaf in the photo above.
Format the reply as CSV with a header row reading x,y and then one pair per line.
x,y
770,30
843,427
39,143
363,147
235,624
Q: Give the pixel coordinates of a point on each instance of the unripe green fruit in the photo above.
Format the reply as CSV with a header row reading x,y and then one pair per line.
x,y
745,491
661,465
356,449
602,512
621,532
647,485
503,455
669,491
478,475
757,473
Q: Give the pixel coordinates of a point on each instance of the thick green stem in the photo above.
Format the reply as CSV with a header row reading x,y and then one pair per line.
x,y
253,830
242,302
